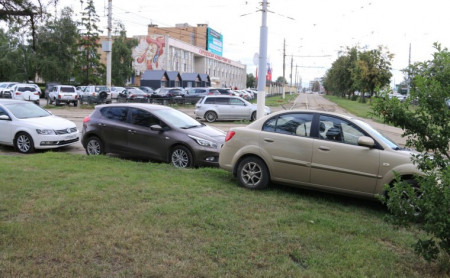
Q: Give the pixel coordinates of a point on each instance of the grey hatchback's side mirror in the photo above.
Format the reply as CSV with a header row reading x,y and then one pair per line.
x,y
366,141
5,117
156,128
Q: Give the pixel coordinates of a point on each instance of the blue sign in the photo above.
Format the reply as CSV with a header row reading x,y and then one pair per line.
x,y
215,42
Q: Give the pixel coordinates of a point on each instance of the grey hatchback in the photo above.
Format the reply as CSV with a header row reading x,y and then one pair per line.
x,y
154,131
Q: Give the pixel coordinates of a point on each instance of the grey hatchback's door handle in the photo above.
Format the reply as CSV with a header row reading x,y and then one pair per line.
x,y
268,140
323,148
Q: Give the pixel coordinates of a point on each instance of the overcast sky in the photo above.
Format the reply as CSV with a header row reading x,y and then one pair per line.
x,y
315,31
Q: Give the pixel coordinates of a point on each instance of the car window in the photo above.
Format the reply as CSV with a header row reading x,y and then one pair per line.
x,y
27,110
222,100
68,89
298,124
26,88
210,100
236,101
3,112
144,118
339,130
115,113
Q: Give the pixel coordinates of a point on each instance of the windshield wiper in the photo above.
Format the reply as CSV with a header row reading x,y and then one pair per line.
x,y
190,126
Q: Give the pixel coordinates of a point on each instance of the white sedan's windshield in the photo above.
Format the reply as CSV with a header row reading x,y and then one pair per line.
x,y
26,110
176,118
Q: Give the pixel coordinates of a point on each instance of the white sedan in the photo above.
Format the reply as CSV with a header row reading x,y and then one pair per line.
x,y
27,127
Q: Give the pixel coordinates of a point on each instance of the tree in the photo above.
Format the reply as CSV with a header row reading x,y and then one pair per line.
x,y
281,80
88,69
251,81
56,48
121,57
427,129
338,78
372,71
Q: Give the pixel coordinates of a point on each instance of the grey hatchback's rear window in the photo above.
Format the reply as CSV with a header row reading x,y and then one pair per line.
x,y
115,113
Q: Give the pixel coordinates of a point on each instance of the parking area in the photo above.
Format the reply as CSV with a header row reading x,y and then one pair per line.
x,y
303,101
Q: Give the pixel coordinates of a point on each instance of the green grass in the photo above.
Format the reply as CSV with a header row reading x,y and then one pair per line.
x,y
278,100
64,215
357,108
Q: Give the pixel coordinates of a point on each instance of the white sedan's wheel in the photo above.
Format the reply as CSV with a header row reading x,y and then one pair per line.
x,y
24,143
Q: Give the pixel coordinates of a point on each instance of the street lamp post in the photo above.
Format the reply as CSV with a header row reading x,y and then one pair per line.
x,y
262,65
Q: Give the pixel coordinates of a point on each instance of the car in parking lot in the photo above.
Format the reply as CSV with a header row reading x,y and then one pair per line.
x,y
193,95
115,91
95,94
23,91
27,127
63,94
316,150
223,107
6,89
153,131
133,94
166,94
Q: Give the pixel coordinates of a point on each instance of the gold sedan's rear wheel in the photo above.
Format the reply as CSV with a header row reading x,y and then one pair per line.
x,y
253,173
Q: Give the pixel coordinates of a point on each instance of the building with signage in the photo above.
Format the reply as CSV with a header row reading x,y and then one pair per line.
x,y
187,49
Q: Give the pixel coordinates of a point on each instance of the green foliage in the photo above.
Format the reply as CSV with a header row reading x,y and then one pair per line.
x,y
363,71
427,129
56,48
121,57
251,81
88,69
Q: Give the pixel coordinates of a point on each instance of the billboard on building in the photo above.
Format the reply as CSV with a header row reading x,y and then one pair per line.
x,y
215,42
149,53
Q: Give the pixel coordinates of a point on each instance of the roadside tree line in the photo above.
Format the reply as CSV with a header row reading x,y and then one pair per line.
x,y
364,71
56,47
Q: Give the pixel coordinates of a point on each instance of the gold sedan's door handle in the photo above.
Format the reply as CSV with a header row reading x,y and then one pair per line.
x,y
323,148
269,140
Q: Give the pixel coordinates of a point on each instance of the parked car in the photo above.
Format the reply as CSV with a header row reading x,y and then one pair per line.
x,y
27,127
48,87
95,94
63,94
225,91
154,131
317,150
132,94
23,91
147,90
6,89
171,95
223,107
193,95
115,91
80,90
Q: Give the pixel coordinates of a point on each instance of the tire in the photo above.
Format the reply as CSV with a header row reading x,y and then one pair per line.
x,y
94,146
24,143
210,116
181,157
253,116
75,103
57,102
252,173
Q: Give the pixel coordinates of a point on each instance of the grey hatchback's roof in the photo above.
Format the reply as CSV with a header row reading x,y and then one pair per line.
x,y
146,106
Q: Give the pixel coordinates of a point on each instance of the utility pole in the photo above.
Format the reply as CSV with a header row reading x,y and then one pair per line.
x,y
262,70
292,61
109,47
284,65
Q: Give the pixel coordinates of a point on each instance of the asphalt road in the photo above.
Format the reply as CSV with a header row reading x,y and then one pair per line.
x,y
303,101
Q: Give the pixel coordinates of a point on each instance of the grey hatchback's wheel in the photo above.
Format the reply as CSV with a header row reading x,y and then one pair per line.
x,y
181,157
210,116
253,117
94,146
252,173
24,143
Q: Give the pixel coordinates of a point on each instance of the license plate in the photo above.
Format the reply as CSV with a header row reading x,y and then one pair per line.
x,y
72,136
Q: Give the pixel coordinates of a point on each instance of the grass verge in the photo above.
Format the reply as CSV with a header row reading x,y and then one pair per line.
x,y
357,108
65,215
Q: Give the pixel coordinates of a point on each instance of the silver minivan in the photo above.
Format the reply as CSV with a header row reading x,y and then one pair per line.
x,y
220,107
